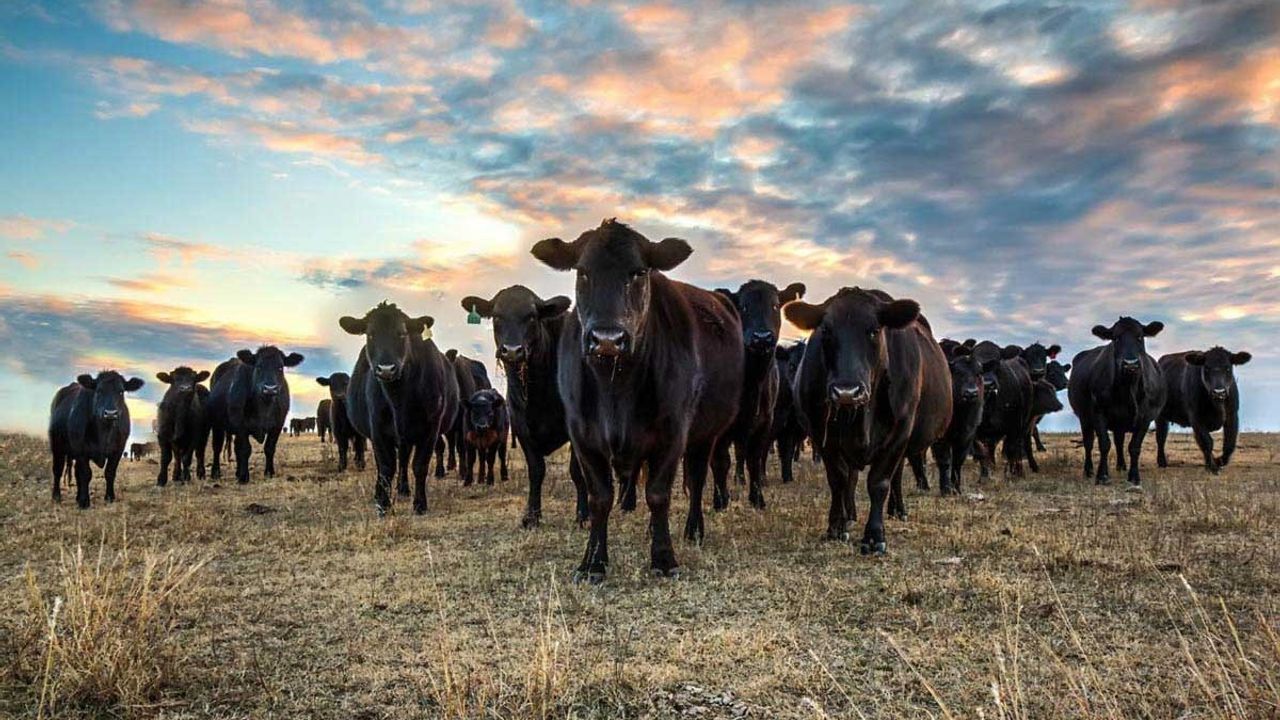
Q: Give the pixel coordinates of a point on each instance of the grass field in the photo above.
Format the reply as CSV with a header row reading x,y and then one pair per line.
x,y
1046,597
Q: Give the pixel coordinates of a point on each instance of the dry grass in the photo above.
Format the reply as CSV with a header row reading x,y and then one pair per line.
x,y
1043,598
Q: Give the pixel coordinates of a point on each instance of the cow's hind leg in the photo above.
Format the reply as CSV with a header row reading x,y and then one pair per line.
x,y
897,503
1162,434
113,464
657,495
84,473
440,449
405,452
1205,442
215,470
720,475
695,475
166,457
1104,454
1118,434
60,462
1135,454
917,469
421,464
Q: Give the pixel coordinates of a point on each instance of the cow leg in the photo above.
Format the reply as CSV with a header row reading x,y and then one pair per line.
x,y
1118,434
1162,434
384,458
243,448
879,479
1035,435
84,473
1013,452
454,450
502,459
1104,450
536,466
404,453
466,460
579,485
740,462
1135,454
491,456
631,482
595,561
917,469
838,517
60,462
1205,441
269,453
897,504
657,495
786,451
187,456
720,475
166,456
109,472
200,458
942,458
757,454
421,464
1230,434
983,452
1086,436
1031,451
440,450
342,452
695,476
215,472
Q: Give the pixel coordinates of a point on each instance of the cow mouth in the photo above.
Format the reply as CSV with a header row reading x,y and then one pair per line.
x,y
849,396
1130,367
1218,395
270,391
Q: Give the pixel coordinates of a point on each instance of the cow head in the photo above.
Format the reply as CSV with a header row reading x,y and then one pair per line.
x,y
1216,373
967,384
1044,398
183,379
388,338
338,384
1056,374
758,304
483,408
1037,357
989,356
268,365
1128,339
789,358
614,265
108,390
850,329
517,315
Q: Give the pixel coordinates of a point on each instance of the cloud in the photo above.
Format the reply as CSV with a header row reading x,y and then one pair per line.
x,y
149,282
27,260
22,227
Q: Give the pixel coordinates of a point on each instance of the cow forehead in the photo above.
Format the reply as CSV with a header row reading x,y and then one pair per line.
x,y
270,354
1217,357
515,302
1128,325
608,248
109,380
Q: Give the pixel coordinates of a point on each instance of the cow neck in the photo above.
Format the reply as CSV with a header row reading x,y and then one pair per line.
x,y
182,410
755,372
538,371
402,395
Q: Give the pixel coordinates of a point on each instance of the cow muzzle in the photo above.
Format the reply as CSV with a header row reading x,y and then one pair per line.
x,y
761,341
387,373
607,342
850,395
514,354
969,394
1130,366
110,415
270,390
1218,394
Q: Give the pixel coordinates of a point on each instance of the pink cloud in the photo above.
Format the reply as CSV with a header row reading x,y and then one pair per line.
x,y
22,227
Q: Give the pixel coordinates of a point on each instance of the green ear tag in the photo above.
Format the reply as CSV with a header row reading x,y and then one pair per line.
x,y
473,317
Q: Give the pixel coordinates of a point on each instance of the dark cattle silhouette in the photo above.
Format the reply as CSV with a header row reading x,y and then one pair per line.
x,y
338,422
1006,413
873,389
488,426
650,374
526,332
1037,357
759,306
471,376
249,398
182,423
1055,375
788,433
1202,394
403,395
1044,401
89,423
968,399
324,426
1117,388
296,426
139,451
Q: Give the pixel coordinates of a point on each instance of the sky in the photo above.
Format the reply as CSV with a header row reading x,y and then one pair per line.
x,y
179,180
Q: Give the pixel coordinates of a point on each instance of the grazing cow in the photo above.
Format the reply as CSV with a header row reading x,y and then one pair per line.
x,y
182,423
873,389
787,430
403,395
471,377
138,451
1202,395
650,375
487,429
526,331
249,398
324,426
968,400
89,423
344,433
759,305
1007,406
1117,388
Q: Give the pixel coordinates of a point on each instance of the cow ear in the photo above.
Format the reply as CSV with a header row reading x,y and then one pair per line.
x,y
164,378
1009,352
451,354
556,253
353,326
246,357
970,343
419,325
87,382
1054,350
202,376
553,307
293,359
1101,332
733,297
669,253
790,293
482,307
898,314
803,315
1153,329
1194,358
961,351
1066,368
1240,358
323,381
133,384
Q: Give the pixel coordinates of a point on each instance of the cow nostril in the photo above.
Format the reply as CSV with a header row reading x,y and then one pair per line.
x,y
608,342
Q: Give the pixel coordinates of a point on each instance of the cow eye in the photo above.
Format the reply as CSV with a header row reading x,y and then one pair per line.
x,y
873,333
636,275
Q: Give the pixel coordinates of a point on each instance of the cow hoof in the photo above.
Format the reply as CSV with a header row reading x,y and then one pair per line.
x,y
1103,480
720,503
590,577
1162,462
419,509
757,502
672,573
530,521
402,489
1134,487
628,507
110,498
57,497
899,515
381,510
838,535
873,548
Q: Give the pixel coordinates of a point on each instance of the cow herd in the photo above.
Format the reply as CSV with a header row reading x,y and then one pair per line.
x,y
648,378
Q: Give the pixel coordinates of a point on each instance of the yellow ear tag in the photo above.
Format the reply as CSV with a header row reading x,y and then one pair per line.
x,y
426,334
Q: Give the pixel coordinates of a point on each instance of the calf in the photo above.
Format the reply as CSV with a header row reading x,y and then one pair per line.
x,y
1202,395
89,423
759,306
324,426
1044,401
182,423
650,374
968,400
873,388
526,332
1007,406
403,395
1055,375
344,432
471,377
1117,388
787,431
249,398
487,429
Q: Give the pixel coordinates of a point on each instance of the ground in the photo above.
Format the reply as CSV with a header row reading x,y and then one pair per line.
x,y
1035,598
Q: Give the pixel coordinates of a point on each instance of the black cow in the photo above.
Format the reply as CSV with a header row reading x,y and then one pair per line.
x,y
471,377
1202,395
526,332
650,375
1117,388
1055,375
788,433
324,411
968,400
1037,358
1007,407
89,423
1044,401
759,305
296,427
344,433
487,429
138,451
182,423
249,398
873,388
403,395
